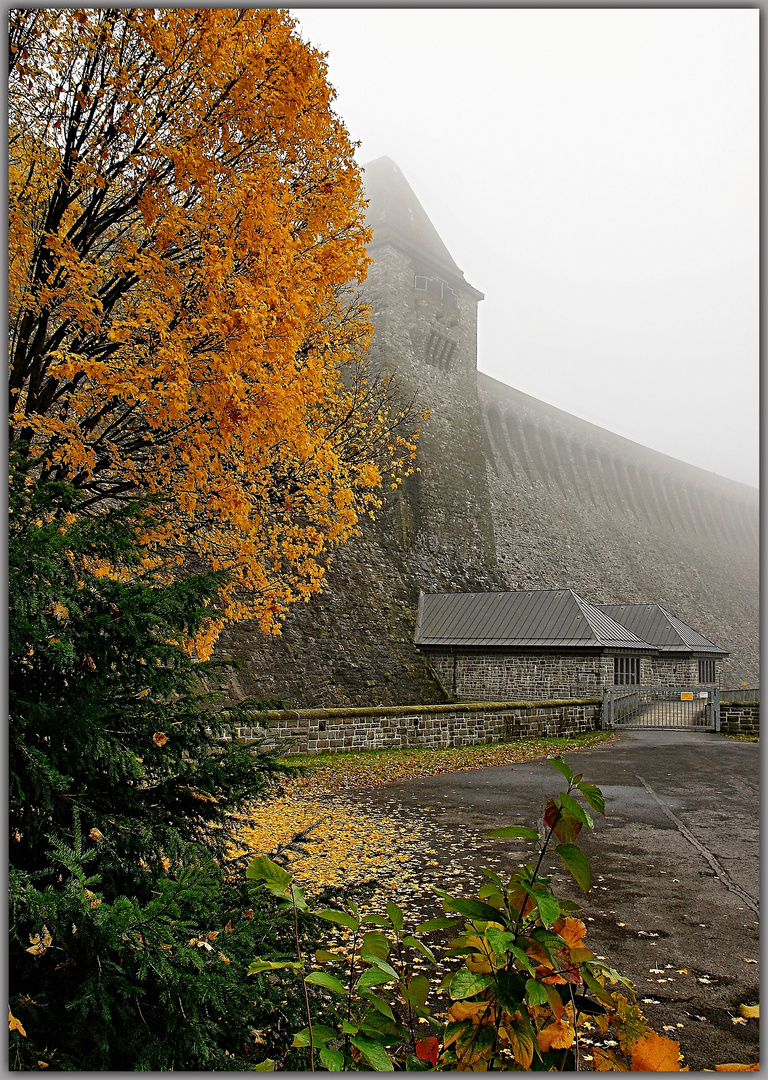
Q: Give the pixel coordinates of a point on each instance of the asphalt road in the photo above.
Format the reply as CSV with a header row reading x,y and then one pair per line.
x,y
674,902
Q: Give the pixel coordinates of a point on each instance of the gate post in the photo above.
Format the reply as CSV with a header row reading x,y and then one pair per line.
x,y
607,709
716,708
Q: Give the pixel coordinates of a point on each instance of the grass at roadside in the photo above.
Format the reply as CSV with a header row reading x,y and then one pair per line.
x,y
329,773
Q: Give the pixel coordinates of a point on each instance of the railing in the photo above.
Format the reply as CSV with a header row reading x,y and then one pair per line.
x,y
744,696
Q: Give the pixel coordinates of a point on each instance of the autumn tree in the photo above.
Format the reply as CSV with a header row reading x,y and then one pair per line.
x,y
185,221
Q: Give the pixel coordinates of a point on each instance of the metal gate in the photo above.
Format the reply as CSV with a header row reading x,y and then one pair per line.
x,y
692,707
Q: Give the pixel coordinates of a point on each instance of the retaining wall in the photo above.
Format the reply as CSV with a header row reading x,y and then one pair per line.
x,y
333,731
740,718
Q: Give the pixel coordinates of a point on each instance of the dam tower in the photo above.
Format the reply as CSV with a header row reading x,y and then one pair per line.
x,y
424,315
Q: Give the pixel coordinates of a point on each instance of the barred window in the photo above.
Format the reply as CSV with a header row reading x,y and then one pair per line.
x,y
707,671
626,670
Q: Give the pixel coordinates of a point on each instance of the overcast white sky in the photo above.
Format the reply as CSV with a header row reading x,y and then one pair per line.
x,y
595,173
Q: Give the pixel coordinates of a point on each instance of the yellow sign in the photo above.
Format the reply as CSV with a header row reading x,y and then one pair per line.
x,y
686,695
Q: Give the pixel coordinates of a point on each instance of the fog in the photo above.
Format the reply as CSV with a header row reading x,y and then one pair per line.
x,y
595,173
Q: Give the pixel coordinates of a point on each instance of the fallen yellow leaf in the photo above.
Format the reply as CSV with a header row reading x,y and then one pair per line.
x,y
656,1053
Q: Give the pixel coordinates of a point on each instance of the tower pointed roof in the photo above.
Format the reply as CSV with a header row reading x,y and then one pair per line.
x,y
396,215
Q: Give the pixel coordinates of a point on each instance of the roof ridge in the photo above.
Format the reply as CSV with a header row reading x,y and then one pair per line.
x,y
598,630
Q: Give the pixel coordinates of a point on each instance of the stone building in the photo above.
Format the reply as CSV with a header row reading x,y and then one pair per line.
x,y
511,494
528,645
681,655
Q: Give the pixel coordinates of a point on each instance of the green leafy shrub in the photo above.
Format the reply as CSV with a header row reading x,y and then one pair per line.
x,y
130,933
524,986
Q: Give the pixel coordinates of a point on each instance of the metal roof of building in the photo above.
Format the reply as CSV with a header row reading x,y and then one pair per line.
x,y
542,618
666,633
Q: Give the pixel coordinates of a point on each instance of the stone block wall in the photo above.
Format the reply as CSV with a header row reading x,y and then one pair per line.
x,y
316,731
478,676
675,671
740,718
666,671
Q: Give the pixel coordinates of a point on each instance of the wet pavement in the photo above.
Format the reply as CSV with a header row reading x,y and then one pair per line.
x,y
674,902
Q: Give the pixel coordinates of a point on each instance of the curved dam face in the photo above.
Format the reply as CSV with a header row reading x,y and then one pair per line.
x,y
510,493
575,506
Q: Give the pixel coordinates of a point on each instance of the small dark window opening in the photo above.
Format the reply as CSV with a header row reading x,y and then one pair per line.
x,y
706,671
626,670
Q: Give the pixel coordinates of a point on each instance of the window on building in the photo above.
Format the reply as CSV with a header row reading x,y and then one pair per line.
x,y
439,350
707,671
626,670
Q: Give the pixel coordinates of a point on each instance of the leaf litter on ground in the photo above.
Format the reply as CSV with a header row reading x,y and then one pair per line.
x,y
348,845
329,773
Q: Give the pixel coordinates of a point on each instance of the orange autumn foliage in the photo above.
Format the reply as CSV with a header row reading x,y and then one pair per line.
x,y
754,1067
556,1036
655,1053
185,220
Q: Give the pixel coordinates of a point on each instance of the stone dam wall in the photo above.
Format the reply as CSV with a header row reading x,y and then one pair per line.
x,y
575,506
637,527
351,644
510,493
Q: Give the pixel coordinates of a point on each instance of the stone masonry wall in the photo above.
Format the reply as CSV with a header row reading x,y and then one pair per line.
x,y
678,671
336,730
740,718
477,676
